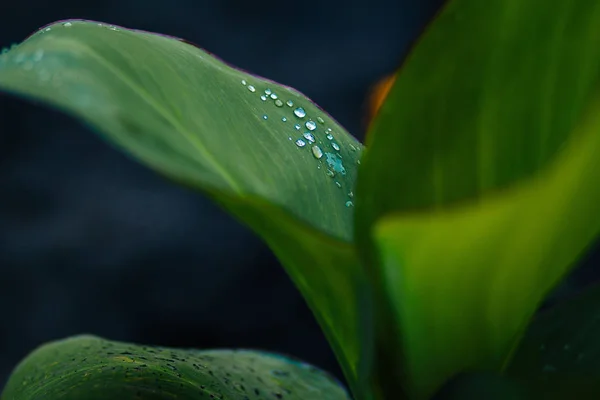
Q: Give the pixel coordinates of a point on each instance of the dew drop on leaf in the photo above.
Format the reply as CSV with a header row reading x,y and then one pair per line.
x,y
320,120
338,184
268,91
273,96
299,112
67,24
310,125
335,162
279,103
263,97
297,127
330,173
284,119
244,82
289,103
335,146
251,88
309,136
350,194
265,116
300,143
317,152
349,203
329,136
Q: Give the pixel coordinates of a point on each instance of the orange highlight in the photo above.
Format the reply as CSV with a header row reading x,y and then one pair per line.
x,y
379,93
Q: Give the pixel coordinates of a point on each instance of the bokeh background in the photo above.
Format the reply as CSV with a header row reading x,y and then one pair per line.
x,y
92,242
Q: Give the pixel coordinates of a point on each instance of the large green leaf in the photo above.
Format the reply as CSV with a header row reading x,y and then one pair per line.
x,y
464,281
487,97
559,356
233,135
90,368
486,100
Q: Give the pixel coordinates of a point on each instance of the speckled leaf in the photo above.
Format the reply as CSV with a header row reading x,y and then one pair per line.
x,y
91,368
559,356
233,135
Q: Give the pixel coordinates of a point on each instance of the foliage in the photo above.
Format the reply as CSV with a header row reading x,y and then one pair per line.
x,y
476,193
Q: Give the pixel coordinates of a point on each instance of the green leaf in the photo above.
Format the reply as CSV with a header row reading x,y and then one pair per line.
x,y
485,102
88,367
201,122
487,97
559,356
464,281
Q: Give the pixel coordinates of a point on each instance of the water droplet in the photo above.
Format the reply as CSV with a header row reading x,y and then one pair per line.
x,y
338,184
268,91
317,152
328,129
330,173
67,24
329,136
335,146
300,143
352,147
310,125
284,119
299,112
349,203
309,136
251,88
350,194
289,103
263,97
265,116
358,162
335,163
112,28
320,120
279,103
47,29
244,82
297,127
273,96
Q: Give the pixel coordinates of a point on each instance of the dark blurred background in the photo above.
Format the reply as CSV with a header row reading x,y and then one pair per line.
x,y
91,242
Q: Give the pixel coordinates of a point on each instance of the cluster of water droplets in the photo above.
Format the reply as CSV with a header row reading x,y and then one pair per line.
x,y
308,132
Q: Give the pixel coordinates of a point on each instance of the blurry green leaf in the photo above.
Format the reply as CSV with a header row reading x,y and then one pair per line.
x,y
201,122
465,280
487,97
485,102
90,368
559,355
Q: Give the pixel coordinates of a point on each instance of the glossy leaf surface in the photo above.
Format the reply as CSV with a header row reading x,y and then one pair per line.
x,y
249,143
